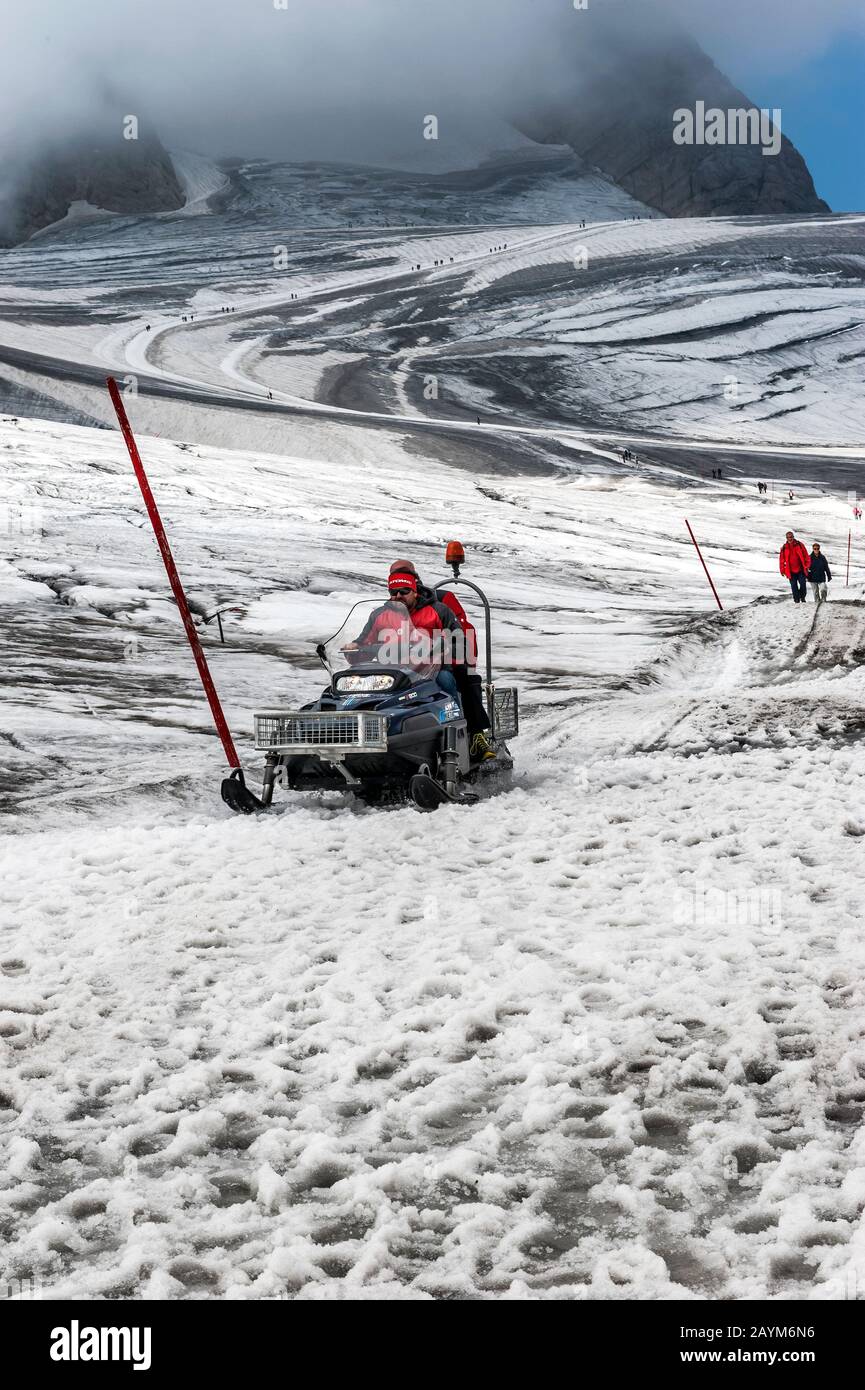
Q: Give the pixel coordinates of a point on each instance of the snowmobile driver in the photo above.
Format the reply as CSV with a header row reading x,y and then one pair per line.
x,y
425,615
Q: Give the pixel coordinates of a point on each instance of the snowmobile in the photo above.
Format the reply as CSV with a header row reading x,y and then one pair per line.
x,y
384,729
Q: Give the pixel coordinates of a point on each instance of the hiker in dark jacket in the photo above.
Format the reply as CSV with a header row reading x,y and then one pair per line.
x,y
819,574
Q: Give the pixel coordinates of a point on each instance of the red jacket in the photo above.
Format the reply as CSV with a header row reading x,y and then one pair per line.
x,y
794,559
452,602
393,619
395,623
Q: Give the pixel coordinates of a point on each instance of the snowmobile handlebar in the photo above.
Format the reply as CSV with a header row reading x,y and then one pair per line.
x,y
359,656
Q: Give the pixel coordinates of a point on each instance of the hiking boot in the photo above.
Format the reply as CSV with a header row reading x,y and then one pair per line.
x,y
481,749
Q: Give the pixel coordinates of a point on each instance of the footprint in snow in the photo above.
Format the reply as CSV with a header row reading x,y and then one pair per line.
x,y
13,967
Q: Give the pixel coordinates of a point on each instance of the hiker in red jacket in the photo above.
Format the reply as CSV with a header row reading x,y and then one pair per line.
x,y
795,563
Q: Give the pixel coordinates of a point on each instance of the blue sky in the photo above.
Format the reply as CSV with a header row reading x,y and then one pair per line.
x,y
822,101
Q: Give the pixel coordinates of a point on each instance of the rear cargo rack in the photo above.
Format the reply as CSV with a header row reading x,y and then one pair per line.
x,y
505,712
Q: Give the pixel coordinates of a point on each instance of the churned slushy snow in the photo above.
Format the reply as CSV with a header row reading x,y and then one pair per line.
x,y
598,1037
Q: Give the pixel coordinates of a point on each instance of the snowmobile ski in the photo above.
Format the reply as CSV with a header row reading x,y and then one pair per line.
x,y
428,794
236,795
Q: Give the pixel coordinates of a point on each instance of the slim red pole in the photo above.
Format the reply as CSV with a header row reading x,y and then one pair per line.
x,y
174,578
705,566
849,545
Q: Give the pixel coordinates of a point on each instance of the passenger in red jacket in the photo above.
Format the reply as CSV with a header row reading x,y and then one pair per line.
x,y
795,563
465,673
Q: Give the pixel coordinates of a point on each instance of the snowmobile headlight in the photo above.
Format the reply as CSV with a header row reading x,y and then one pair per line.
x,y
363,685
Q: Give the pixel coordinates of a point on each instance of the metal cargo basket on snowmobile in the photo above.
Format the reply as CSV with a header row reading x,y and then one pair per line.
x,y
315,731
505,712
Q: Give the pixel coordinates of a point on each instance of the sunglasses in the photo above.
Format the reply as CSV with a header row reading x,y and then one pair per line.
x,y
401,593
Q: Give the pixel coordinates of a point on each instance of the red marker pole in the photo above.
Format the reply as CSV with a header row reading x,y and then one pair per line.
x,y
174,578
849,547
705,566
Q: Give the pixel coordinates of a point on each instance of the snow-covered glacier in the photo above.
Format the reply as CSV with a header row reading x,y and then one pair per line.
x,y
597,1037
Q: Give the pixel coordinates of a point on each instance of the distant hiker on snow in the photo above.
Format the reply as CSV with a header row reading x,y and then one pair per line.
x,y
819,574
795,562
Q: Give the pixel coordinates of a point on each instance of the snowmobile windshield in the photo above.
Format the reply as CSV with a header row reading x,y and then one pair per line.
x,y
381,633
